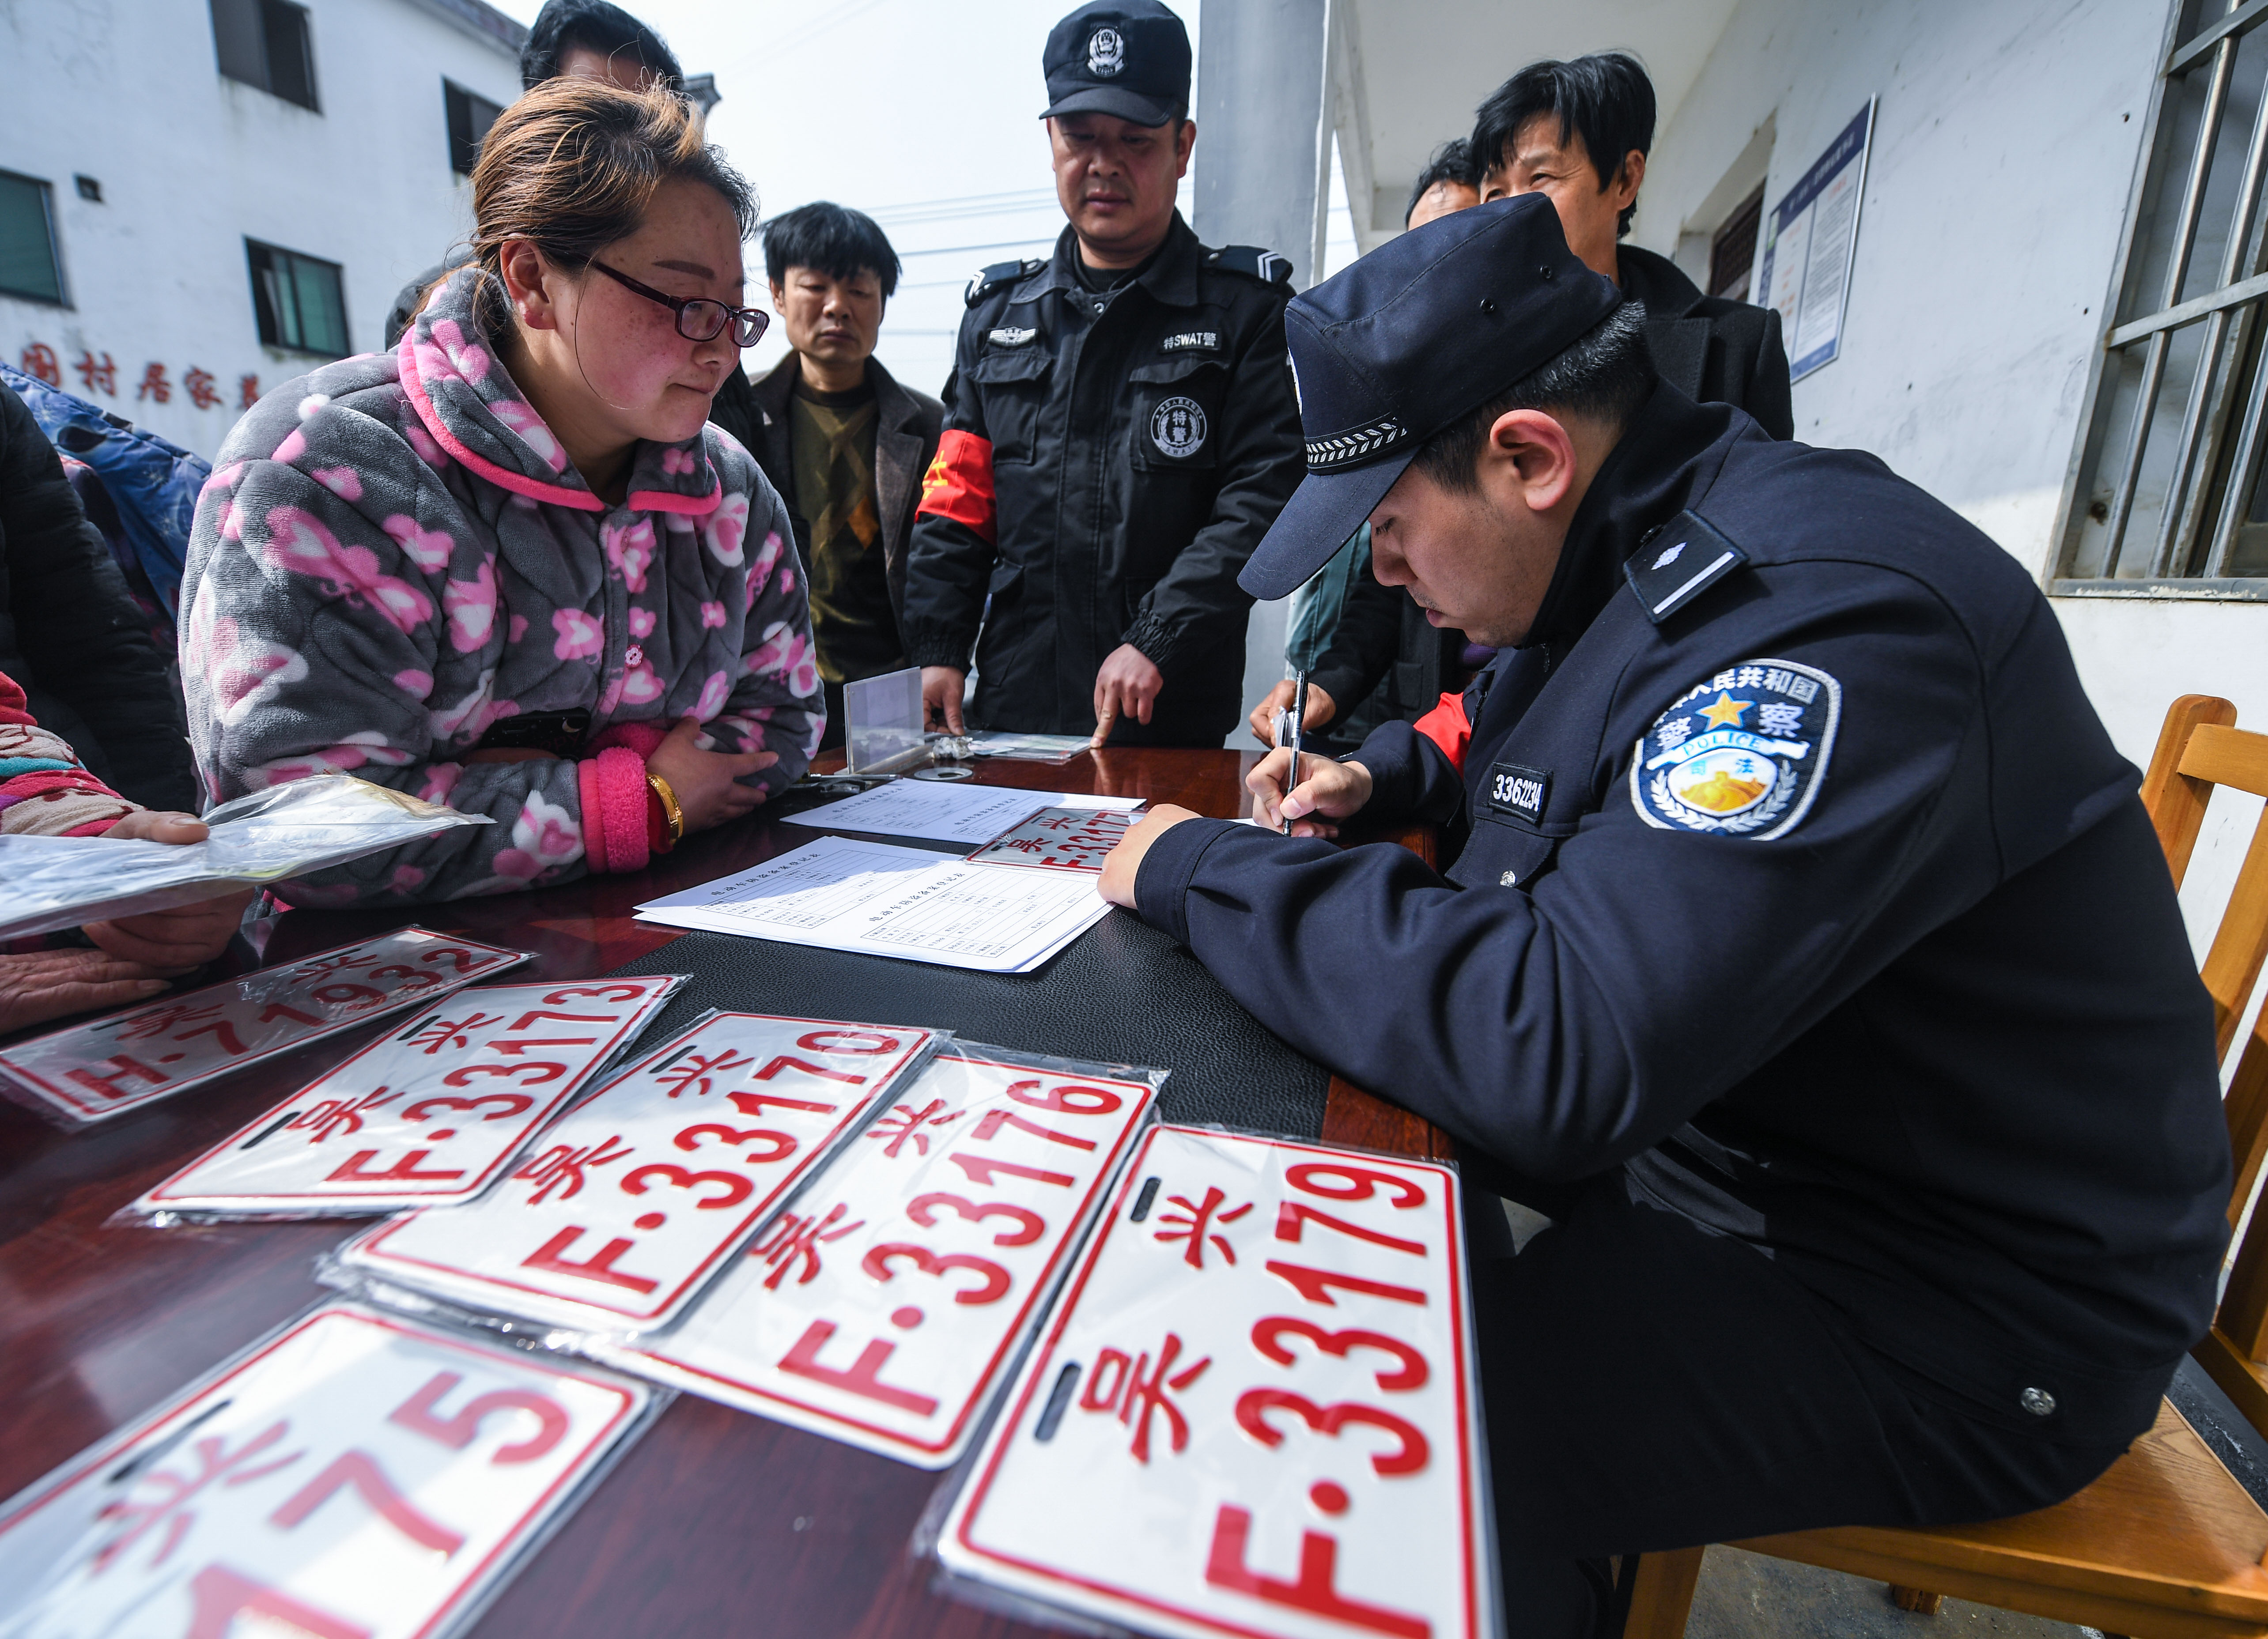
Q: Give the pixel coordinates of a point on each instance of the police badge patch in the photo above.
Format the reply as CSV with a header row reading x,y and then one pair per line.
x,y
1177,427
1106,53
1742,753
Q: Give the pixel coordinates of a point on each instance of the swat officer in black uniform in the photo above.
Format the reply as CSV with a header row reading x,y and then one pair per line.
x,y
1808,955
1119,431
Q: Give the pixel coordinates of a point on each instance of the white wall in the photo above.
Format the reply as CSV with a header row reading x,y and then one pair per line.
x,y
128,91
2004,146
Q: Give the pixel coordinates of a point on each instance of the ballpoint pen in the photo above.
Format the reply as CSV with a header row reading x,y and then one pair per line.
x,y
1295,736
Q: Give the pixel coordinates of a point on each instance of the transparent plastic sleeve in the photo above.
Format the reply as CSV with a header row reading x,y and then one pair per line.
x,y
888,1307
269,837
103,1067
624,1211
434,1114
1253,1409
352,1473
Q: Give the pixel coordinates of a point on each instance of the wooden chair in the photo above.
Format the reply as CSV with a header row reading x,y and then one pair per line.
x,y
2166,1545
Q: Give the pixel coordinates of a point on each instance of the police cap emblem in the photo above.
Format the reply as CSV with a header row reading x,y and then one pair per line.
x,y
1177,427
1740,753
1106,53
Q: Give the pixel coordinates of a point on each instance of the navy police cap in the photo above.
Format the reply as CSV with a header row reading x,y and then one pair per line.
x,y
1420,333
1125,57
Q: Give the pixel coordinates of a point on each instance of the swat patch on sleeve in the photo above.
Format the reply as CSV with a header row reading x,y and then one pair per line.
x,y
1741,754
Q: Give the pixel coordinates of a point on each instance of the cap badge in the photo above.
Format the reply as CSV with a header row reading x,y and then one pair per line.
x,y
1177,427
1106,53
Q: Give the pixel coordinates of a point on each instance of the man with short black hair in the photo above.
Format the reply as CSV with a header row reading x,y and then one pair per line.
x,y
593,40
841,439
1771,963
1579,132
1120,429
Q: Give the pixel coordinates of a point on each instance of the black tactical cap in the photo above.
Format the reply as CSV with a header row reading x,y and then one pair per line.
x,y
1125,57
1415,335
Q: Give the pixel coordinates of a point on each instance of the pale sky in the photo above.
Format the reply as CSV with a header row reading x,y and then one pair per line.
x,y
924,116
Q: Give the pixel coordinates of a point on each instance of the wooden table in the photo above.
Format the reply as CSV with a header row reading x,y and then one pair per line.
x,y
716,1522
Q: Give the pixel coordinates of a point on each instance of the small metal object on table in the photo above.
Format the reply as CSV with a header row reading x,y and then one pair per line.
x,y
715,1514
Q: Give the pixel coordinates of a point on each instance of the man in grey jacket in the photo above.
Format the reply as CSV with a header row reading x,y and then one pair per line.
x,y
841,439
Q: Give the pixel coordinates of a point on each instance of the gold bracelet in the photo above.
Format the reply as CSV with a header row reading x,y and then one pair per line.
x,y
670,811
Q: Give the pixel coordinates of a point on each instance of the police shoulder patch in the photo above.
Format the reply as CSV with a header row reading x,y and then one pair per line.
x,y
989,278
1253,262
1740,753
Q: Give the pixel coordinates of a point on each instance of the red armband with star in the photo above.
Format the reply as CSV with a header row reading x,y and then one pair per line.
x,y
959,484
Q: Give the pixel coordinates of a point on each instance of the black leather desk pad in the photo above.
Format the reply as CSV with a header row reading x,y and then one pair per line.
x,y
1122,992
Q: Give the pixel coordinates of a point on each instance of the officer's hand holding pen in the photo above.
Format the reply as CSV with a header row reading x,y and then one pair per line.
x,y
1327,791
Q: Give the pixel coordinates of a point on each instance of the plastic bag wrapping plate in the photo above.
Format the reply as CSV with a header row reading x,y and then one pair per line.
x,y
886,1309
270,836
1253,1410
354,1474
93,1072
628,1205
431,1114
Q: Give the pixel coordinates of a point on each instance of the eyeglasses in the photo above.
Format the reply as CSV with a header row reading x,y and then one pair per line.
x,y
699,318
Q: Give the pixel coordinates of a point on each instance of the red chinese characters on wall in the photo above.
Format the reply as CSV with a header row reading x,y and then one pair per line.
x,y
97,373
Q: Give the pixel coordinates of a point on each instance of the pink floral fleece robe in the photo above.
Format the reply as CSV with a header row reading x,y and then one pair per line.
x,y
394,553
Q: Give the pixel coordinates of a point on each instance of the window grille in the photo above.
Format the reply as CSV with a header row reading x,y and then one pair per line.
x,y
298,301
265,43
2169,494
29,266
470,116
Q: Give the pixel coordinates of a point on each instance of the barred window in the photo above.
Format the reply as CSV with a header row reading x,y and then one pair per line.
x,y
2170,491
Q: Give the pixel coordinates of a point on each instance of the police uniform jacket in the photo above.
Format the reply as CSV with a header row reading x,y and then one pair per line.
x,y
1110,461
1798,878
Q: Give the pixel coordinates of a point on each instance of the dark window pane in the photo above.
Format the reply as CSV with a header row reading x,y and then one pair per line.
x,y
237,41
469,119
27,243
298,301
1734,253
290,69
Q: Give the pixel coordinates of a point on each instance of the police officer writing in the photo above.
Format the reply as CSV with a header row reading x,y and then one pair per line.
x,y
1806,955
1120,429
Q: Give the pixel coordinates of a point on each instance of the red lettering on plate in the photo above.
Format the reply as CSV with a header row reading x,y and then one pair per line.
x,y
1225,1568
402,1172
1314,1285
864,1376
363,1474
552,1255
415,1414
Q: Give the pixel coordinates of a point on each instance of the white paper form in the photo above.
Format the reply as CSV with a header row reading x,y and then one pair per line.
x,y
623,1210
93,1072
904,902
356,1476
944,813
885,1310
428,1115
1251,1412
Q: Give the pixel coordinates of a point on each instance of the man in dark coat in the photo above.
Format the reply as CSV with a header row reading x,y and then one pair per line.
x,y
841,439
1578,132
1121,427
69,632
1772,961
